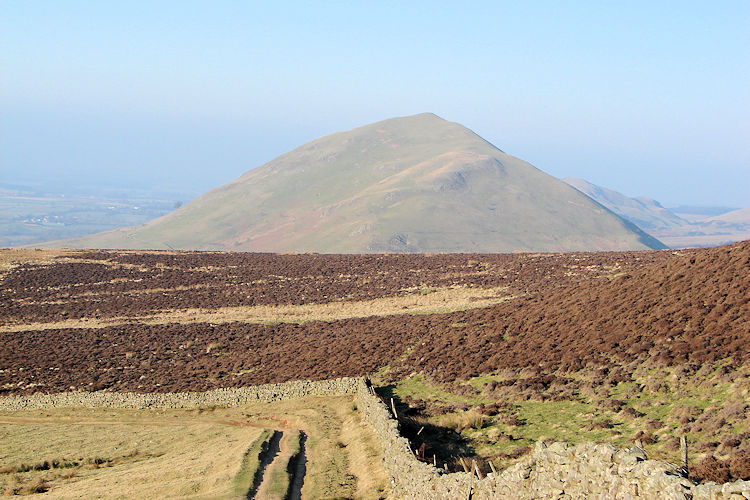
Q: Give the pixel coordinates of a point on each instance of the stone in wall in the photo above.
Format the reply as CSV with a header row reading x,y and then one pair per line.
x,y
218,397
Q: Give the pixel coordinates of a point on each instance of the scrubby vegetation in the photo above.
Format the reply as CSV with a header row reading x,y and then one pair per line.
x,y
484,419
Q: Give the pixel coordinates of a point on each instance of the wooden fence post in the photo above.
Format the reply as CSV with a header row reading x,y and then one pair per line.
x,y
476,470
492,466
684,454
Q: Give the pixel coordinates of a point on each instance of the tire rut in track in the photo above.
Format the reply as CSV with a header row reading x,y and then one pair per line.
x,y
267,455
297,468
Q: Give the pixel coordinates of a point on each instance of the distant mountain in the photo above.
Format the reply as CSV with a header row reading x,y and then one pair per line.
x,y
697,213
412,184
741,216
692,227
646,213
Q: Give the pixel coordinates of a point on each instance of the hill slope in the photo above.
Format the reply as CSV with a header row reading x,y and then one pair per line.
x,y
741,216
691,308
646,213
413,184
668,226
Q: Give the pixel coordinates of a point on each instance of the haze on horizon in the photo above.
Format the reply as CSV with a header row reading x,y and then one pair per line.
x,y
645,98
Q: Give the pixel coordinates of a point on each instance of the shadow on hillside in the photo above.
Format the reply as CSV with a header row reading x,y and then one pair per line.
x,y
431,443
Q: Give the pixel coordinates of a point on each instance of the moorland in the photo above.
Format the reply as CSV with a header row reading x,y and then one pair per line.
x,y
483,354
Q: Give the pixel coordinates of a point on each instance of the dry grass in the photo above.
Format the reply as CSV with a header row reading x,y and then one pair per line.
x,y
107,458
364,454
12,257
465,420
438,300
107,453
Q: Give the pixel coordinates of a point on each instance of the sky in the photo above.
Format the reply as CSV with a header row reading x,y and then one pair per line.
x,y
647,98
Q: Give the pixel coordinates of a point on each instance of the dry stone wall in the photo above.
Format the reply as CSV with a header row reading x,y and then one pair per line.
x,y
219,397
557,471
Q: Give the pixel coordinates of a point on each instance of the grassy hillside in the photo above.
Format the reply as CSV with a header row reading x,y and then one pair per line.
x,y
413,184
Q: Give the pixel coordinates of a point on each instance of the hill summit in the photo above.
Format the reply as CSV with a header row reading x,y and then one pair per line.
x,y
411,184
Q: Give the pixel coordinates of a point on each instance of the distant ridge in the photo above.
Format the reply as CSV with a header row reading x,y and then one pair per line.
x,y
411,184
646,213
715,227
741,216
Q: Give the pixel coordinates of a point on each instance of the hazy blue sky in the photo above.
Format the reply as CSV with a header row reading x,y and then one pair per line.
x,y
645,97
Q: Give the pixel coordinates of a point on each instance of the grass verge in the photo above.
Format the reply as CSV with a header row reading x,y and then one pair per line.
x,y
243,480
